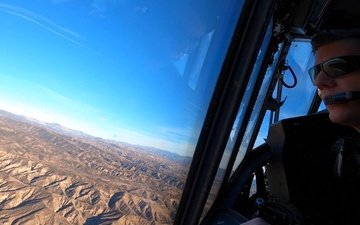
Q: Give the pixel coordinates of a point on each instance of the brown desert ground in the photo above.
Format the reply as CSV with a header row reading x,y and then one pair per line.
x,y
53,175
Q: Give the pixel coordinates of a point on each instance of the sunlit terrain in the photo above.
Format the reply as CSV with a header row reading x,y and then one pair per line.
x,y
53,175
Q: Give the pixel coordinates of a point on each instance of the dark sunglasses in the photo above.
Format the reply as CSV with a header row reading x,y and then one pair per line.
x,y
336,67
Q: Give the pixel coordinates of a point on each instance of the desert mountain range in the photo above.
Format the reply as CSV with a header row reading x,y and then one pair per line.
x,y
53,175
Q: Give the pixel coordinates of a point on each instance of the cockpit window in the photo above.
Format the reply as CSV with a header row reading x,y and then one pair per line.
x,y
297,90
293,97
120,90
229,150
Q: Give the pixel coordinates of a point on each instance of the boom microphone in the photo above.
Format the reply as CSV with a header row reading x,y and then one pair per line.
x,y
341,97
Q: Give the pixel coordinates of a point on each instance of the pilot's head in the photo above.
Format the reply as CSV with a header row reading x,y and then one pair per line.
x,y
337,74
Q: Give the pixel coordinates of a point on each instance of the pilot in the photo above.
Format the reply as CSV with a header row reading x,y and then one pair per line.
x,y
336,74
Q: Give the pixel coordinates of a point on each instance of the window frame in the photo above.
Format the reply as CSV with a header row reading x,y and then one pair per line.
x,y
223,109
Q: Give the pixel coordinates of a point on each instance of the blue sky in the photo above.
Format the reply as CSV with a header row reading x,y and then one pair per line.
x,y
113,69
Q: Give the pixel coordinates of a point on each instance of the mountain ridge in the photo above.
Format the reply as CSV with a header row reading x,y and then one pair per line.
x,y
48,177
56,127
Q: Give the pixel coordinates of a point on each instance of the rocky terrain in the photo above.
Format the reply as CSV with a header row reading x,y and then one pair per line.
x,y
53,175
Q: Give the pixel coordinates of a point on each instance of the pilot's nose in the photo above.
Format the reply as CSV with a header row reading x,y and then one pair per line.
x,y
323,80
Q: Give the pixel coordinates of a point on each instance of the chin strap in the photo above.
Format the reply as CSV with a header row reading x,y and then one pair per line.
x,y
342,97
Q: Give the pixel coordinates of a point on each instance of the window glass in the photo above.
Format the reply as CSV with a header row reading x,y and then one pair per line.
x,y
298,98
261,97
236,126
297,93
120,90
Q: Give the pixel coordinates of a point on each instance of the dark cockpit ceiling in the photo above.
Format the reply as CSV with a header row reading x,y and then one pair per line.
x,y
342,14
304,17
